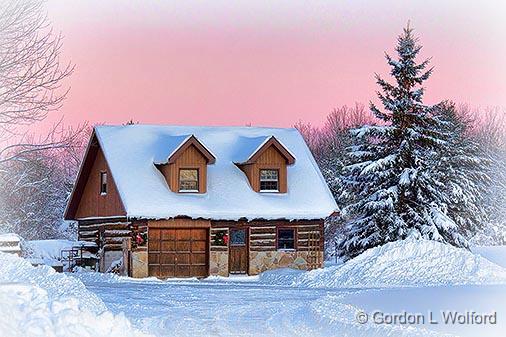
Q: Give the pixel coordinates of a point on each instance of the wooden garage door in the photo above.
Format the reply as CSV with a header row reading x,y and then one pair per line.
x,y
178,252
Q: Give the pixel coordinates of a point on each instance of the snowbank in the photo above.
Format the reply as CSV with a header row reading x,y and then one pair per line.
x,y
406,263
48,252
50,249
47,249
37,301
496,254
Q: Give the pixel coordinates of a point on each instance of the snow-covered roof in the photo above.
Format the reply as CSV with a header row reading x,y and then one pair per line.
x,y
9,237
131,152
254,145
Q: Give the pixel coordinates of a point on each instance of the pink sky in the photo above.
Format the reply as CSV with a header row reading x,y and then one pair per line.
x,y
265,62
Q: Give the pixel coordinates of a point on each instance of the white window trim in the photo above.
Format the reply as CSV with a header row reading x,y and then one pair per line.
x,y
269,179
188,191
286,250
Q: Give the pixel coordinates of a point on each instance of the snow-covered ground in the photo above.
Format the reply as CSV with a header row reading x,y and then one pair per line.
x,y
37,301
496,254
248,307
418,278
403,278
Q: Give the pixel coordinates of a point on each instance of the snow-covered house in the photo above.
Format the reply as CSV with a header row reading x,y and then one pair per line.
x,y
199,201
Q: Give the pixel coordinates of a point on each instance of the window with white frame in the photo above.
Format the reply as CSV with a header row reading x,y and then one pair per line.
x,y
269,180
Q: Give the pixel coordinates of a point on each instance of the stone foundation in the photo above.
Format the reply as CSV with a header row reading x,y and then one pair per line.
x,y
218,263
262,261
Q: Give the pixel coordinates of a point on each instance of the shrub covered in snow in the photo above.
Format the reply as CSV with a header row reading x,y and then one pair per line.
x,y
399,264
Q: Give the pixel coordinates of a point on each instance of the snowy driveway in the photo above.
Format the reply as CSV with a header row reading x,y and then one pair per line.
x,y
247,307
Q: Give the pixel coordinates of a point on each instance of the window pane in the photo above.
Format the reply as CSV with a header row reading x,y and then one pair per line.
x,y
188,174
188,186
268,174
269,180
286,239
103,182
238,237
269,185
188,180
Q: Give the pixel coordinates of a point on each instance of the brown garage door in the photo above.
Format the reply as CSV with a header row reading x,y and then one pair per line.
x,y
178,252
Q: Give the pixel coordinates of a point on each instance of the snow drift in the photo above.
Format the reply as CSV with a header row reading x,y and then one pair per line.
x,y
405,263
37,301
47,249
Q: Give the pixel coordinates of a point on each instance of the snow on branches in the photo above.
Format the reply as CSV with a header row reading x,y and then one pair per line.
x,y
414,174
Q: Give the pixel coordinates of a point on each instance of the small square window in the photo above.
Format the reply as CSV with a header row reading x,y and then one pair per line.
x,y
103,183
269,180
238,237
286,238
188,180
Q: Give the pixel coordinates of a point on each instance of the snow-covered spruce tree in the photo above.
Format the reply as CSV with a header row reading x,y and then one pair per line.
x,y
392,192
462,164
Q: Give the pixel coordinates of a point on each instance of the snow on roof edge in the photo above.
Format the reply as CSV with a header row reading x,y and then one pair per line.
x,y
319,172
267,139
174,151
121,193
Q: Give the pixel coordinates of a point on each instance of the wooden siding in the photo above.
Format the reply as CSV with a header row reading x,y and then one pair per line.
x,y
92,203
271,158
190,158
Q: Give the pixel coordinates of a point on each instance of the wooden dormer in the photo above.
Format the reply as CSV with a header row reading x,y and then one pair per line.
x,y
186,168
266,168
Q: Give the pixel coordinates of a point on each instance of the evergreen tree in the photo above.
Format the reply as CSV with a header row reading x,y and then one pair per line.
x,y
462,165
392,192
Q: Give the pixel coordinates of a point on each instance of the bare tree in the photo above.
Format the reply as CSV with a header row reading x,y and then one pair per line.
x,y
36,172
31,76
35,187
329,145
490,130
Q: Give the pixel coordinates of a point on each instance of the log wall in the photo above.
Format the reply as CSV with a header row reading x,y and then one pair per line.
x,y
263,234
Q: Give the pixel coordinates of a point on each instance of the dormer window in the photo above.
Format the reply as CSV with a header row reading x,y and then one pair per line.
x,y
185,168
189,180
103,183
269,180
266,166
